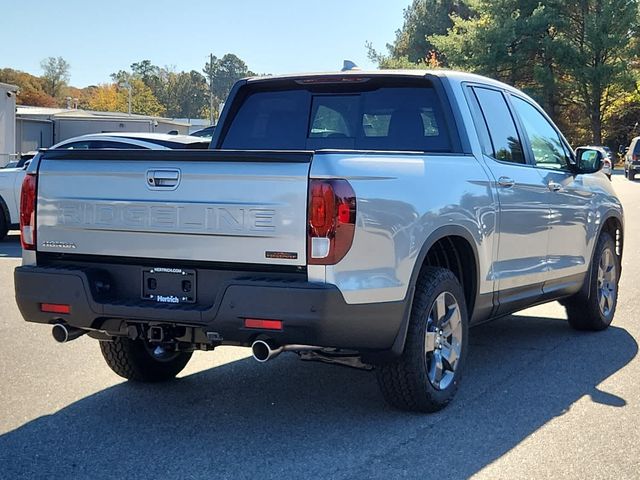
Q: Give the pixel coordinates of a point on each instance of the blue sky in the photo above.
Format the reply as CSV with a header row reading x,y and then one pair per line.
x,y
280,36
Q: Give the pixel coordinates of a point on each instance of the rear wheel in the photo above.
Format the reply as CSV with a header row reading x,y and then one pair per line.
x,y
631,174
4,225
425,377
141,361
593,308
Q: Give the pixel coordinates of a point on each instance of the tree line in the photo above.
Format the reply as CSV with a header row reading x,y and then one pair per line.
x,y
577,58
154,90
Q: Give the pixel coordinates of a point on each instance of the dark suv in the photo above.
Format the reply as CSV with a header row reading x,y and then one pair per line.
x,y
632,159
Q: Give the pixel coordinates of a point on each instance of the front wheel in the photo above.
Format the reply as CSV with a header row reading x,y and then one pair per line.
x,y
140,361
631,174
425,377
593,308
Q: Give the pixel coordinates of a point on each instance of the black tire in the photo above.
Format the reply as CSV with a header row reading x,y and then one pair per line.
x,y
134,360
583,309
631,175
4,220
405,382
4,225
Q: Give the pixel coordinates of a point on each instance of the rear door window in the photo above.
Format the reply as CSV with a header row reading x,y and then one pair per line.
x,y
387,118
505,142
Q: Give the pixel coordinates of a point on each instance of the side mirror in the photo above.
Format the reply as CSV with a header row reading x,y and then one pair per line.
x,y
589,160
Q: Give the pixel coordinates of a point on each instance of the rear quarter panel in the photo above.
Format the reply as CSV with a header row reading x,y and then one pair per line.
x,y
402,198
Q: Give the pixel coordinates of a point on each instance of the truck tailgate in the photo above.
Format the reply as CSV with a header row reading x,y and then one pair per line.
x,y
217,206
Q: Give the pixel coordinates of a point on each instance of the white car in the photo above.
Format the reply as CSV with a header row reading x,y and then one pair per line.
x,y
11,178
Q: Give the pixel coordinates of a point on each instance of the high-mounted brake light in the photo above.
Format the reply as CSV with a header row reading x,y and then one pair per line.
x,y
28,212
332,79
332,219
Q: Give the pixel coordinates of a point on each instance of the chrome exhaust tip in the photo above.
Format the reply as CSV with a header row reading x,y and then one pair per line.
x,y
263,351
63,333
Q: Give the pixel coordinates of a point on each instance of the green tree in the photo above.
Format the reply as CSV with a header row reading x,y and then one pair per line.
x,y
143,101
55,76
597,45
186,95
222,73
412,45
510,40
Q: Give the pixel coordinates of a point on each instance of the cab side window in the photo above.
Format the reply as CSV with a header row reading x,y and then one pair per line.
x,y
547,146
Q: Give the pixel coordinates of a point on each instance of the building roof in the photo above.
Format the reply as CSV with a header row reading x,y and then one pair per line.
x,y
8,86
25,110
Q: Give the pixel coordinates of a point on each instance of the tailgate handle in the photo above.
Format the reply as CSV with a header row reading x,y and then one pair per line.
x,y
163,179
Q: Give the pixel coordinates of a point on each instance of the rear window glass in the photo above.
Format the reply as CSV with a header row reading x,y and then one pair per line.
x,y
391,118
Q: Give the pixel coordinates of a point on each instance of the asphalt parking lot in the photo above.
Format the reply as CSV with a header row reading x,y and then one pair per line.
x,y
538,401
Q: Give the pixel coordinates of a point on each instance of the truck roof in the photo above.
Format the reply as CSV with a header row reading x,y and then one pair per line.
x,y
453,75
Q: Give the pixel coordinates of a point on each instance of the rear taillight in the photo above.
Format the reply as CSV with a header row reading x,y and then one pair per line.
x,y
28,212
332,219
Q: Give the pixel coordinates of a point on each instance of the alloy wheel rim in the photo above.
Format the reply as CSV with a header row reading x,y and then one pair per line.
x,y
443,340
607,285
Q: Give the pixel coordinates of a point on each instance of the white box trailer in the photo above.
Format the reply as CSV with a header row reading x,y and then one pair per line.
x,y
7,122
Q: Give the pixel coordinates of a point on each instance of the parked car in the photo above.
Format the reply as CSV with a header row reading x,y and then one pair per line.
x,y
22,160
300,230
12,176
205,132
632,159
604,156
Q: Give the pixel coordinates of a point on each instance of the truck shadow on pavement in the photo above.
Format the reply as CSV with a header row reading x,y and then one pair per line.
x,y
292,419
10,246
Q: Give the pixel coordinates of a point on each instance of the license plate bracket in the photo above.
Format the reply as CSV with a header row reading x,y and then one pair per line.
x,y
169,285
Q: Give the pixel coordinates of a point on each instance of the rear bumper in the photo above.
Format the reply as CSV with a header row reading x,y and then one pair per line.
x,y
312,314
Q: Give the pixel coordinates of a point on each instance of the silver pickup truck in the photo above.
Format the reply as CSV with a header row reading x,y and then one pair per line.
x,y
366,219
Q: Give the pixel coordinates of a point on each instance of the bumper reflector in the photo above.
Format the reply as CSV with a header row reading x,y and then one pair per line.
x,y
263,324
54,308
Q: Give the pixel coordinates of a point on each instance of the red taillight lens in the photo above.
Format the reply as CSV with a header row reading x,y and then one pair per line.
x,y
332,218
28,212
634,158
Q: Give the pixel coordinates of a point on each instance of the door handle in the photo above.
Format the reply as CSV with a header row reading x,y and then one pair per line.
x,y
554,186
162,179
506,182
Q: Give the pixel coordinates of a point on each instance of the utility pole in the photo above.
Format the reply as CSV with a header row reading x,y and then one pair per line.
x,y
127,85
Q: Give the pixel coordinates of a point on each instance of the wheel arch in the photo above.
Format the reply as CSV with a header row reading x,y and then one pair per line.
x,y
4,211
613,224
452,247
